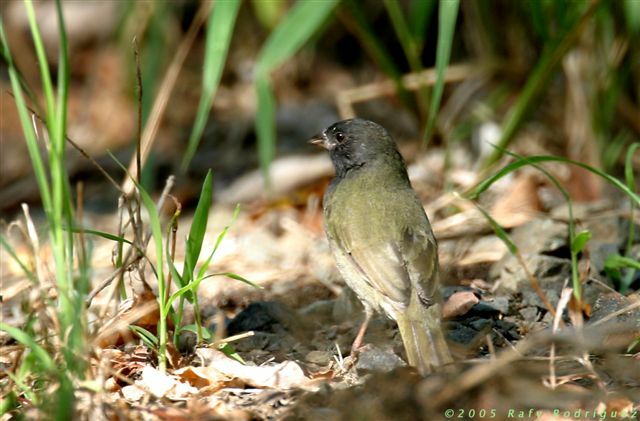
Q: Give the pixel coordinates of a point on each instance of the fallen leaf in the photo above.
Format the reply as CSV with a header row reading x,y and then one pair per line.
x,y
284,375
161,384
207,377
519,204
459,303
132,393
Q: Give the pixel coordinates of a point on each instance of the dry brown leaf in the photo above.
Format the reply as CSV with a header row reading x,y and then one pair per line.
x,y
207,377
141,311
459,303
519,204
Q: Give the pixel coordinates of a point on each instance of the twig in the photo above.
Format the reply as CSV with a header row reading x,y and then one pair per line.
x,y
232,338
130,258
82,250
412,81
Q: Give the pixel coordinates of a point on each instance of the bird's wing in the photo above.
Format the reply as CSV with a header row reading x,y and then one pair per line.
x,y
420,254
382,268
395,267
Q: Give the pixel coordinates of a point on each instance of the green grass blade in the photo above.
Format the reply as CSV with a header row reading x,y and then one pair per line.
x,y
628,166
580,241
149,339
303,20
103,234
237,278
156,233
499,231
5,244
200,331
446,27
265,126
63,86
615,261
45,75
631,183
219,33
198,228
632,15
221,236
25,339
419,17
374,47
485,184
537,82
539,18
27,128
401,28
410,46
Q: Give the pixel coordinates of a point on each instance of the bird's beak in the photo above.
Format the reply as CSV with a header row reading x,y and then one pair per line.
x,y
319,140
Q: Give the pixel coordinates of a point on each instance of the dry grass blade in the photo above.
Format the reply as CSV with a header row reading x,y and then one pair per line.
x,y
565,296
162,99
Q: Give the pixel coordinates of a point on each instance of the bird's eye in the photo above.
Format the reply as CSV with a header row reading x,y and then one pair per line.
x,y
340,137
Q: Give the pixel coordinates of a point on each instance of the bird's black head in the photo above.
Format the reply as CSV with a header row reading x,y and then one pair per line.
x,y
355,143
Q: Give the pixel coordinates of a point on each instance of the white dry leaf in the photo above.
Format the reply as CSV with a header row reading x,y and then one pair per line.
x,y
285,375
161,384
132,393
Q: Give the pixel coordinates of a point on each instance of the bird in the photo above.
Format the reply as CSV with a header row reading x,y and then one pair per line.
x,y
381,238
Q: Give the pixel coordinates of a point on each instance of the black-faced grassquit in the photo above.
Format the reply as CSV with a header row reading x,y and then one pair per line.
x,y
381,238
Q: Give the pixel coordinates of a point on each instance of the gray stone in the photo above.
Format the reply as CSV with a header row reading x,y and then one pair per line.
x,y
540,236
530,314
460,333
500,304
481,324
374,358
550,272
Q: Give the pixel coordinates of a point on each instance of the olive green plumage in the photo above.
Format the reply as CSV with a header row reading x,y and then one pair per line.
x,y
381,238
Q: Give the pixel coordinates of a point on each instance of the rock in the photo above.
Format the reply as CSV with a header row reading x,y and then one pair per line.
x,y
551,273
319,357
609,303
508,328
270,342
460,333
530,314
551,291
270,317
491,306
262,316
598,253
374,358
540,236
481,324
616,333
320,311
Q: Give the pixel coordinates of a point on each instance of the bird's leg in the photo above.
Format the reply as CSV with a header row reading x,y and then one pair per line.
x,y
357,343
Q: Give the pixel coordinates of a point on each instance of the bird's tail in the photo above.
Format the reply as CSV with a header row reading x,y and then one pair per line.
x,y
423,337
